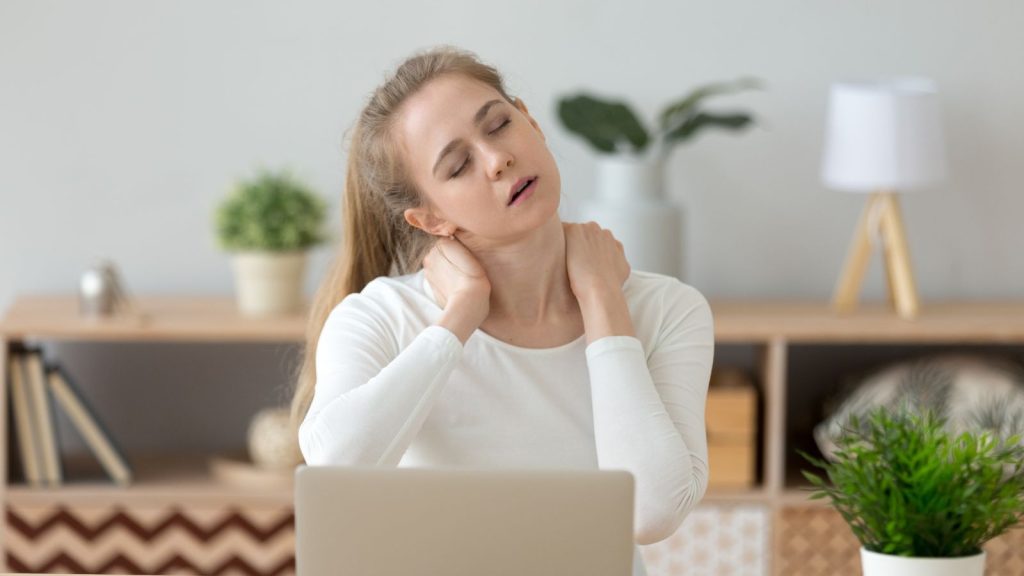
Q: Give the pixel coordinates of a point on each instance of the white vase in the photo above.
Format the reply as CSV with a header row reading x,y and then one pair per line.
x,y
269,283
630,201
876,564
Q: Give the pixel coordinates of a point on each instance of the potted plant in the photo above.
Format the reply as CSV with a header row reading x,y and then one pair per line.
x,y
631,160
269,222
629,151
920,500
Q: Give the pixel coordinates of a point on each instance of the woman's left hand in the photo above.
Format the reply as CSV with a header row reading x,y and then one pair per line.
x,y
595,260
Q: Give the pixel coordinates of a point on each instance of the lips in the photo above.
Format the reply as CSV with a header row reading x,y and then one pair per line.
x,y
518,187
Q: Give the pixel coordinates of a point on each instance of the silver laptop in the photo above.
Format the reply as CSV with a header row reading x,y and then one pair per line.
x,y
363,521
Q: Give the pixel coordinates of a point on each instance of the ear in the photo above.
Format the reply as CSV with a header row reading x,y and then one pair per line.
x,y
522,108
421,217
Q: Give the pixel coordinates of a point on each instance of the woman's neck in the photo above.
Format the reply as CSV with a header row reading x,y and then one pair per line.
x,y
529,280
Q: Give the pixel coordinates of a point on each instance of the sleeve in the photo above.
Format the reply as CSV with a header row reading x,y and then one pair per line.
x,y
371,398
649,411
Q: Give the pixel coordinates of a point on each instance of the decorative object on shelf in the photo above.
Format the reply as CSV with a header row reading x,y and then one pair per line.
x,y
922,501
69,396
630,199
242,473
27,396
270,222
101,292
273,454
971,392
731,420
882,137
39,390
273,443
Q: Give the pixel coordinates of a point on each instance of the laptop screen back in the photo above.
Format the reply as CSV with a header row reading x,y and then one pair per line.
x,y
363,521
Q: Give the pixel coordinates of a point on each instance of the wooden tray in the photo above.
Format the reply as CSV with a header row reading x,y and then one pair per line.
x,y
245,474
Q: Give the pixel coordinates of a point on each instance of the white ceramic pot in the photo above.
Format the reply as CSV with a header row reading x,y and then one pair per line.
x,y
630,202
269,283
875,564
629,177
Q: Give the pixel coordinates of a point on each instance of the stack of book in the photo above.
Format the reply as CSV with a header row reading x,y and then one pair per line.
x,y
33,383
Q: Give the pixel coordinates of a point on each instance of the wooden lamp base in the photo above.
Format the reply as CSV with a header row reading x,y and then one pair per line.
x,y
902,291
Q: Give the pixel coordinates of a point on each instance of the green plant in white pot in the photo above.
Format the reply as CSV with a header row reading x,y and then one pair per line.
x,y
920,500
270,222
631,160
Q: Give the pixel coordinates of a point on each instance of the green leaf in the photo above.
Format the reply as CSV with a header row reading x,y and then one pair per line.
x,y
272,211
907,487
679,111
701,120
606,125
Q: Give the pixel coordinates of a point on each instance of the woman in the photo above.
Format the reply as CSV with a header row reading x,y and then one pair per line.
x,y
465,324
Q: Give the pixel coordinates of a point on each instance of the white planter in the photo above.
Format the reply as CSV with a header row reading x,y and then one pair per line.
x,y
628,177
269,283
630,202
875,564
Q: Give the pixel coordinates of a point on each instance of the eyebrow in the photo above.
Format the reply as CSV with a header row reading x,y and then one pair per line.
x,y
477,119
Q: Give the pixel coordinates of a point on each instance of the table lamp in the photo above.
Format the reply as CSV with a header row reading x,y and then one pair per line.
x,y
882,137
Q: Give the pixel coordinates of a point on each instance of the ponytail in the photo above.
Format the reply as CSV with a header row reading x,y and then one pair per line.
x,y
377,241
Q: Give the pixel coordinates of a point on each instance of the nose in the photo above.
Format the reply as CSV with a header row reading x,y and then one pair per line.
x,y
498,161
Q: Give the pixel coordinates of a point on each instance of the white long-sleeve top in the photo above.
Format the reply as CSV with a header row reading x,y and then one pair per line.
x,y
393,389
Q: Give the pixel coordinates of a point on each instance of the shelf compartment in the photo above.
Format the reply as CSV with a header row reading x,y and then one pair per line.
x,y
816,373
166,479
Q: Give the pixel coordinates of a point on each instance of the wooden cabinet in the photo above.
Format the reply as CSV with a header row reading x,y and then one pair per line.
x,y
793,350
175,517
800,352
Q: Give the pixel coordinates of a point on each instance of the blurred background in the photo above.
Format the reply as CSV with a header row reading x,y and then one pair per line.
x,y
124,124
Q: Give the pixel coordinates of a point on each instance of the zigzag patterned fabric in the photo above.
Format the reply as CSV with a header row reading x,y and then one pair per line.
x,y
165,539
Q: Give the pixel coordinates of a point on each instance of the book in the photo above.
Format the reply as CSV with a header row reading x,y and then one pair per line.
x,y
45,428
70,398
23,419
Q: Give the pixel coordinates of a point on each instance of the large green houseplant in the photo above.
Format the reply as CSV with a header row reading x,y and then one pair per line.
x,y
631,159
611,126
270,222
919,499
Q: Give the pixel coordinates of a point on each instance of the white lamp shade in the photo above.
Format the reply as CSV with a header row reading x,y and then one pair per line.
x,y
883,135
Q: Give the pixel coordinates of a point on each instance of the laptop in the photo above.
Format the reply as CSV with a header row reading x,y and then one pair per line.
x,y
366,521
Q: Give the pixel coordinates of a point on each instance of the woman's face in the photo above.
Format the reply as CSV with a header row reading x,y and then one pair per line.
x,y
466,148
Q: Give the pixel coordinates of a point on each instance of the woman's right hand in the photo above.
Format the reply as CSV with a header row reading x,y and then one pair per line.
x,y
460,284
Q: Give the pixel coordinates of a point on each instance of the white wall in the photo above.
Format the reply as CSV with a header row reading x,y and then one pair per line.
x,y
122,124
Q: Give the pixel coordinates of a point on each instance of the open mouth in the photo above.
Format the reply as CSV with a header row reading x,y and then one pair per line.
x,y
525,187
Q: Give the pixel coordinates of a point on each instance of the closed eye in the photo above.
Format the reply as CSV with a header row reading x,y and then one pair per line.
x,y
468,158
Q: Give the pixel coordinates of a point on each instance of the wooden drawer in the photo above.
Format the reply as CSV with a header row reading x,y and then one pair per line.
x,y
731,465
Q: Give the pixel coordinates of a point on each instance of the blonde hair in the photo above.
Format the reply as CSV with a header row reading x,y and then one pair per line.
x,y
377,240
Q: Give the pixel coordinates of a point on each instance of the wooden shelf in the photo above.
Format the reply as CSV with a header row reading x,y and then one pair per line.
x,y
160,318
216,318
771,334
816,322
157,480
